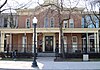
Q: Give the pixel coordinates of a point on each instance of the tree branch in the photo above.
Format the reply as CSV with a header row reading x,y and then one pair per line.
x,y
3,4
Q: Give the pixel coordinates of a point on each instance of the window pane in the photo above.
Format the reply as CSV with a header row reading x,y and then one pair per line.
x,y
52,22
46,22
28,23
71,21
65,24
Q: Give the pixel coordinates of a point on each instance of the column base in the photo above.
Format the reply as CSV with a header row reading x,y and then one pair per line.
x,y
85,57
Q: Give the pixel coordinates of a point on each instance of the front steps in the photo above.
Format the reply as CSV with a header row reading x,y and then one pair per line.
x,y
46,54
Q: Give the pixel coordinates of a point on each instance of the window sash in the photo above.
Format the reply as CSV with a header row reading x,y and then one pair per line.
x,y
27,23
46,22
52,22
71,21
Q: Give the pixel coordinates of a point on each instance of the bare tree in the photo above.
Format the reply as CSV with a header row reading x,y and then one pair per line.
x,y
11,8
3,4
59,8
94,4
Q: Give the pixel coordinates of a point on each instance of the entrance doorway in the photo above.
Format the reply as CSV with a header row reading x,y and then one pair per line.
x,y
48,43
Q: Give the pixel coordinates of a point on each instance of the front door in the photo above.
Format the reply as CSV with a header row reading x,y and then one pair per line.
x,y
49,43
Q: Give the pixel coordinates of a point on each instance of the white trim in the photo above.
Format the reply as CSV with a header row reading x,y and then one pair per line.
x,y
47,34
71,21
65,23
97,42
53,21
65,43
74,44
46,22
26,23
24,43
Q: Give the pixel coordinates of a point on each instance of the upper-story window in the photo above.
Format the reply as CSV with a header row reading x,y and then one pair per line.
x,y
65,24
71,23
52,22
5,22
46,22
27,23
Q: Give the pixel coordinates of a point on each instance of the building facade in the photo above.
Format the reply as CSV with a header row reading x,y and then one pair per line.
x,y
48,36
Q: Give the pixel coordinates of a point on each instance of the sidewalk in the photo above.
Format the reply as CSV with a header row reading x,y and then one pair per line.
x,y
48,63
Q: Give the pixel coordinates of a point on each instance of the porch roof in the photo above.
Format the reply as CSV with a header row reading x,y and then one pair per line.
x,y
50,30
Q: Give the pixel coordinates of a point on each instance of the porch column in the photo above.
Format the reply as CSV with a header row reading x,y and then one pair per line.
x,y
2,42
59,43
36,43
43,45
97,41
87,42
10,46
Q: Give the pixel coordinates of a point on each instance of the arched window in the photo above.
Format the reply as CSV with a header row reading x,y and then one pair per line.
x,y
71,23
52,22
65,24
46,22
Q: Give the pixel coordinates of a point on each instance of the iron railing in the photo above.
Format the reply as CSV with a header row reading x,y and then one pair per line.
x,y
68,48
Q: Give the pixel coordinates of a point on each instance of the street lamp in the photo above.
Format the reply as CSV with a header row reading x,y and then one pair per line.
x,y
34,64
85,55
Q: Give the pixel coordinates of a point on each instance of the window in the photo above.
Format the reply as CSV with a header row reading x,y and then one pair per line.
x,y
71,23
46,22
65,24
74,43
27,23
5,22
65,43
52,22
24,43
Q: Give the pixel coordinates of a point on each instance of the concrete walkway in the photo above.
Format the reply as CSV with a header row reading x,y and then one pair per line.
x,y
48,63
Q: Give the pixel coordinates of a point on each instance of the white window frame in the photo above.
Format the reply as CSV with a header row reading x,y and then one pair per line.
x,y
27,21
74,44
71,21
46,22
65,43
24,43
52,18
65,24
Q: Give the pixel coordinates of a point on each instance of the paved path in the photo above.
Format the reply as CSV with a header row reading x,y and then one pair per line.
x,y
48,63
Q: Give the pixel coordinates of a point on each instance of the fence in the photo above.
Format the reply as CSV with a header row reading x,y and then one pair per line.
x,y
68,48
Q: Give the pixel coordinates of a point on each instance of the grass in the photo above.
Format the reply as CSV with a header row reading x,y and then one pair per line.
x,y
17,59
58,59
76,59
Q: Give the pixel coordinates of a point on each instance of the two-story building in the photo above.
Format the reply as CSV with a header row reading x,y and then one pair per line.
x,y
48,31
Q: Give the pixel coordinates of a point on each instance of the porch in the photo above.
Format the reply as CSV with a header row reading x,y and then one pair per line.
x,y
75,44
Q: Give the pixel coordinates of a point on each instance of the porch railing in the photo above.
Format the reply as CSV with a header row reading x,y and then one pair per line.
x,y
68,48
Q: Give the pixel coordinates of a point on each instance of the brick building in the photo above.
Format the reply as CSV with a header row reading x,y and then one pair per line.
x,y
20,38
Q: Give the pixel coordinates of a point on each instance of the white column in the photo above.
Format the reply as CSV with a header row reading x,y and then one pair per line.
x,y
2,42
54,44
36,42
10,42
43,46
97,41
87,42
59,43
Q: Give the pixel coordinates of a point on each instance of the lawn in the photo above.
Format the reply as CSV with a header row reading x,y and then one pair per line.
x,y
17,59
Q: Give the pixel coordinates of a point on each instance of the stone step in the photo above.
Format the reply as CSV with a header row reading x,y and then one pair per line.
x,y
46,55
